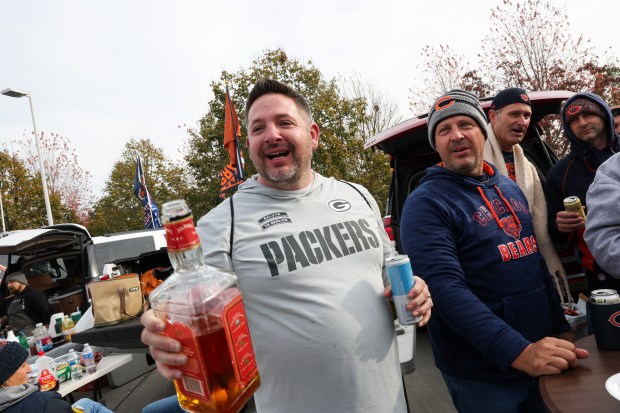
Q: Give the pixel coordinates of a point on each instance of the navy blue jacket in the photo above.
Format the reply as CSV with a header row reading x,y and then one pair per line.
x,y
573,175
473,243
41,401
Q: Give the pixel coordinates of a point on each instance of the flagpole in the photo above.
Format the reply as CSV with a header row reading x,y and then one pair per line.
x,y
235,129
148,197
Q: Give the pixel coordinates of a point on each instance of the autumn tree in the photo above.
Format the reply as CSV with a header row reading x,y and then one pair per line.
x,y
22,195
339,117
67,181
441,69
530,45
380,112
119,209
606,81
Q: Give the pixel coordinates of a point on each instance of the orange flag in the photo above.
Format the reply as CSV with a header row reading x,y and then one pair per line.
x,y
232,175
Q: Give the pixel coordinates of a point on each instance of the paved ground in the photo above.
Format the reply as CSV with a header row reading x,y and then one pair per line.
x,y
426,390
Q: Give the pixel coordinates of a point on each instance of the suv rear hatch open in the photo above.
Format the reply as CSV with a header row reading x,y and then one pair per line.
x,y
411,154
54,260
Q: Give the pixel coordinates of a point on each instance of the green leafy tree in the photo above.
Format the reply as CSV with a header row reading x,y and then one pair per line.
x,y
119,209
340,118
22,195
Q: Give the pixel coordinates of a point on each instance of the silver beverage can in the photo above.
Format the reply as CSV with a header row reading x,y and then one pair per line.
x,y
401,279
604,296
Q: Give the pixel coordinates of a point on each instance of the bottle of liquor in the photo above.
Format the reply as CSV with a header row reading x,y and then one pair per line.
x,y
203,309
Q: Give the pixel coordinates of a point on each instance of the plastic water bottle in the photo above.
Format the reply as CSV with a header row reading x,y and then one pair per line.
x,y
43,340
10,335
89,359
75,366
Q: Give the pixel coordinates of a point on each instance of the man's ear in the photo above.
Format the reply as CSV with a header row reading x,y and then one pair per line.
x,y
315,132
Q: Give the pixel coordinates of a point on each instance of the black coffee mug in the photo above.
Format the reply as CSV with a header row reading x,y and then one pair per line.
x,y
605,320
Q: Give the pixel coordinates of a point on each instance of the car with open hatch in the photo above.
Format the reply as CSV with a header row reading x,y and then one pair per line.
x,y
411,154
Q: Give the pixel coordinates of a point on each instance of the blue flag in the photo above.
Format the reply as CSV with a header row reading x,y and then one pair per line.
x,y
151,212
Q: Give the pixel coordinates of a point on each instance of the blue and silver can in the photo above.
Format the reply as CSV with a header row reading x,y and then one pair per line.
x,y
401,279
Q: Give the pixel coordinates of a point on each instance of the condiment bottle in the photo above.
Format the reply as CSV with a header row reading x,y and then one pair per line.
x,y
68,327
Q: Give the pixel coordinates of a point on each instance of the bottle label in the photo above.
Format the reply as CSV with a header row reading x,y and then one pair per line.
x,y
194,377
181,234
47,381
239,341
205,373
46,343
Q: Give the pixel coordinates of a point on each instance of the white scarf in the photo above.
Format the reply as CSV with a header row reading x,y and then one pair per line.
x,y
529,182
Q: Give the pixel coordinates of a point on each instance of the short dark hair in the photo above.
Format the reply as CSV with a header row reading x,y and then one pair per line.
x,y
266,86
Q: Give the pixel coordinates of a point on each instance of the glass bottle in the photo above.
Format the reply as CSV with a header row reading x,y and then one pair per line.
x,y
203,309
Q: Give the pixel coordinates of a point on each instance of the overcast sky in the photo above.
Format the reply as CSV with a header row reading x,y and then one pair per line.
x,y
102,72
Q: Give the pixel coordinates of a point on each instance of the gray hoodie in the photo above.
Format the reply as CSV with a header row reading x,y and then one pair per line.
x,y
602,233
13,394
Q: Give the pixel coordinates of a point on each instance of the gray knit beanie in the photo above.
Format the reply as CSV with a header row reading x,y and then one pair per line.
x,y
12,356
18,276
455,102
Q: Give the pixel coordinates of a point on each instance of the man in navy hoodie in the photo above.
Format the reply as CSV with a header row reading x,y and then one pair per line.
x,y
589,125
497,322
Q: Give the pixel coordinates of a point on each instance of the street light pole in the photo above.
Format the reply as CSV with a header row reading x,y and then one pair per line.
x,y
17,93
2,208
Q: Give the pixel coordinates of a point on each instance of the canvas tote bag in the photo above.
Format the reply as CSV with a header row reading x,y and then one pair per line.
x,y
116,300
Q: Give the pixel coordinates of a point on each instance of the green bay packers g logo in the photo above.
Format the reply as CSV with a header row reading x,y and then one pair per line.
x,y
339,205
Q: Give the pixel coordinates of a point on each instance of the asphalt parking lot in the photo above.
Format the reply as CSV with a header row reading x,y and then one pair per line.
x,y
426,390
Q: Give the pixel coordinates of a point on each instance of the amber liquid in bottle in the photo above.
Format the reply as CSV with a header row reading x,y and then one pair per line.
x,y
203,309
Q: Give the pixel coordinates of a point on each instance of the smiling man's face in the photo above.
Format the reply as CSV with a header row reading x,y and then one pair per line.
x,y
281,139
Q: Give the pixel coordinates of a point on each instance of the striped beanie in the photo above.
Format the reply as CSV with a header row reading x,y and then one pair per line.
x,y
583,106
455,102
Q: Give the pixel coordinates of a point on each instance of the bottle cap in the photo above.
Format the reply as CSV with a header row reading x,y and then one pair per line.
x,y
41,353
